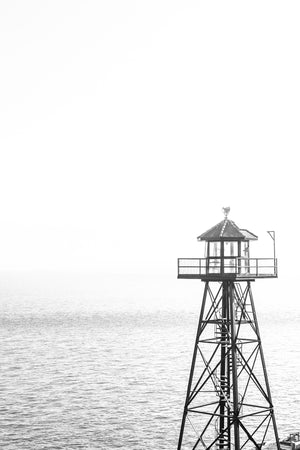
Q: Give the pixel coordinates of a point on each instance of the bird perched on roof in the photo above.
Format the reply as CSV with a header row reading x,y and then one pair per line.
x,y
226,211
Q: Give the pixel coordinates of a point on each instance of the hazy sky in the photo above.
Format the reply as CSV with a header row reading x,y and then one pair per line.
x,y
127,125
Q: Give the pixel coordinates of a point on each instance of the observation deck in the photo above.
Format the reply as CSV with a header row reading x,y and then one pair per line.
x,y
227,268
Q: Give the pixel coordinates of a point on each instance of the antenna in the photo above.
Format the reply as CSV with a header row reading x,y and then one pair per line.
x,y
272,234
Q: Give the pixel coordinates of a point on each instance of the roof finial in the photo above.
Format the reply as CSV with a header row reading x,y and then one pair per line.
x,y
226,211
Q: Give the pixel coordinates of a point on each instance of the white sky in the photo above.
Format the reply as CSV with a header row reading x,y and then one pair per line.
x,y
127,125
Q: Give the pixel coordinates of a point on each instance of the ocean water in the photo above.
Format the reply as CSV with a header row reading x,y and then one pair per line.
x,y
81,373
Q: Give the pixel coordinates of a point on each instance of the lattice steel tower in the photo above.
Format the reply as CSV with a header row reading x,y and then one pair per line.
x,y
228,403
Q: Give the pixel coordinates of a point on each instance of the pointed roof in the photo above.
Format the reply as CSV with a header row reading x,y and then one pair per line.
x,y
226,229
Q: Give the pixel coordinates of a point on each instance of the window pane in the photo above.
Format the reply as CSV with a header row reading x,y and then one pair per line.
x,y
245,250
215,249
230,248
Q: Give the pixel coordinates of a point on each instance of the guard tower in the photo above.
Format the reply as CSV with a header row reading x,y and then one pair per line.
x,y
228,404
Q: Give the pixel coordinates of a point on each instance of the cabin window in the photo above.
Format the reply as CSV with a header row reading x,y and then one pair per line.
x,y
231,248
245,249
231,252
214,265
245,261
215,249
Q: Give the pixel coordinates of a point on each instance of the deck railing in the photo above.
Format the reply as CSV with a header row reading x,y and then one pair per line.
x,y
227,266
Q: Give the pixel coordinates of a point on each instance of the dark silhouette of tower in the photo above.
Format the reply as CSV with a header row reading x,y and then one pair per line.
x,y
228,403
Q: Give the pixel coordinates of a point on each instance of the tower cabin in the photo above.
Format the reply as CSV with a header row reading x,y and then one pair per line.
x,y
227,256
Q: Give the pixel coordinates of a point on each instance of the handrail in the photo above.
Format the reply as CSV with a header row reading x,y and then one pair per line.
x,y
239,266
